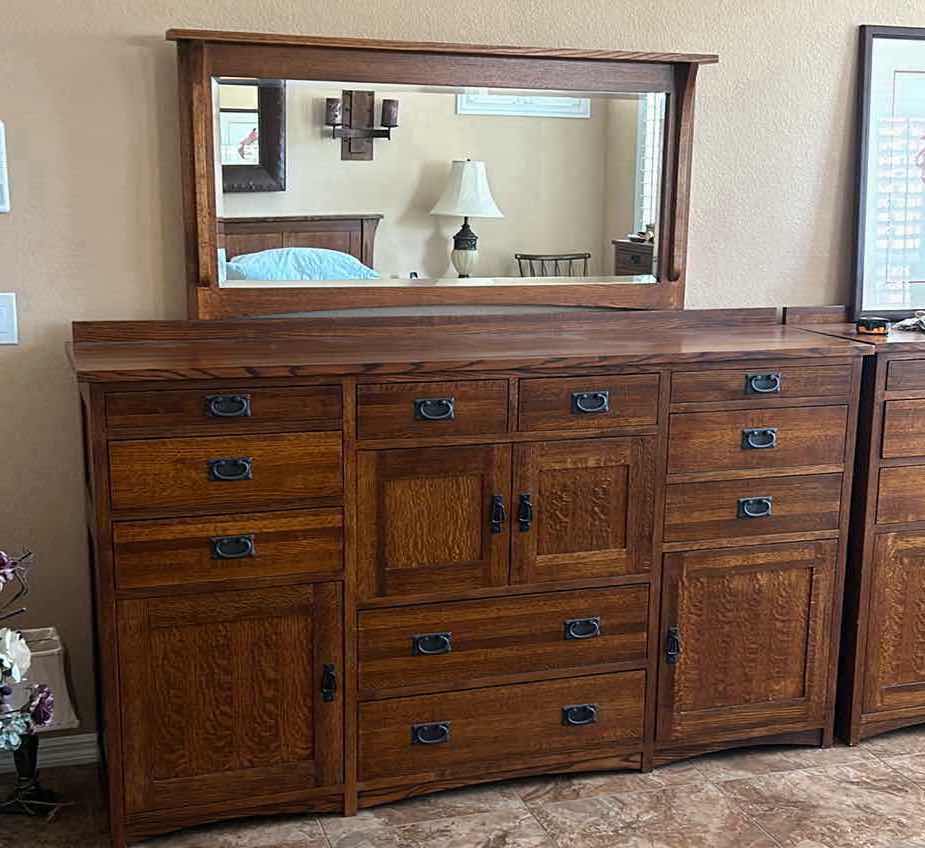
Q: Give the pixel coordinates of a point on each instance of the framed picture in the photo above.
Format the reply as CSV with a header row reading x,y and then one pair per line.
x,y
522,105
239,130
890,242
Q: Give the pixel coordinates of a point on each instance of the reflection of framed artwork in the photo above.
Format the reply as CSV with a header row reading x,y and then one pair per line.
x,y
240,136
890,248
522,106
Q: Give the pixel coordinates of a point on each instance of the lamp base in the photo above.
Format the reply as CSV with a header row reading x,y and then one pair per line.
x,y
465,251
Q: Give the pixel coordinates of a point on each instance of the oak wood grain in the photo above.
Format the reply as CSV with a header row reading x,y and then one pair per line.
x,y
795,382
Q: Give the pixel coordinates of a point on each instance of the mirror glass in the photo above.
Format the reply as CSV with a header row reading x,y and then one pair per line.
x,y
387,184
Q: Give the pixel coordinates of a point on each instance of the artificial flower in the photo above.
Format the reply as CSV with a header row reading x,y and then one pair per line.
x,y
42,706
15,656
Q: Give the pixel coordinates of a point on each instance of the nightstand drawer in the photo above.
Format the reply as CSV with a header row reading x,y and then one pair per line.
x,y
182,551
457,734
229,472
904,428
388,410
598,402
753,440
757,385
463,644
756,506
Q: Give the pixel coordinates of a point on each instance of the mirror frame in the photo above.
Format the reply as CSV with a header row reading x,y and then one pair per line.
x,y
205,55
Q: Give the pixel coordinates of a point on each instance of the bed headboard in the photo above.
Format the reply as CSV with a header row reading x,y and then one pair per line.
x,y
353,234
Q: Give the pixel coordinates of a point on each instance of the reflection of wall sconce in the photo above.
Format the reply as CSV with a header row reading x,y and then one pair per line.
x,y
351,118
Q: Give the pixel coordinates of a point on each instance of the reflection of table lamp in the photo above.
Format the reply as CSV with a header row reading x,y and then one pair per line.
x,y
467,194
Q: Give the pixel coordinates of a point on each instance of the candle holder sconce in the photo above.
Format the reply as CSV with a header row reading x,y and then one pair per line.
x,y
352,117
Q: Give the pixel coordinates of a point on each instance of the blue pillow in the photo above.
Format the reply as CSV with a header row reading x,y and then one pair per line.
x,y
298,263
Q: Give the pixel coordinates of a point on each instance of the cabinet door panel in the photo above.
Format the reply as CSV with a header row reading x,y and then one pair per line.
x,y
426,520
592,504
896,636
221,695
754,626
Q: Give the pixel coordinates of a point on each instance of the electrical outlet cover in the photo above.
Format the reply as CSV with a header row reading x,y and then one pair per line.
x,y
9,332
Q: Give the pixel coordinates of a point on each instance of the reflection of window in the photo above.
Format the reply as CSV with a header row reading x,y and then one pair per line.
x,y
649,135
239,137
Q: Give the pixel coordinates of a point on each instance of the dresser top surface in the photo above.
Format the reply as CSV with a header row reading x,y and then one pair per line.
x,y
896,341
164,351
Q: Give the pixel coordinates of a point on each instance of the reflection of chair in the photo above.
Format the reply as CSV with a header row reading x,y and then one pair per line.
x,y
553,264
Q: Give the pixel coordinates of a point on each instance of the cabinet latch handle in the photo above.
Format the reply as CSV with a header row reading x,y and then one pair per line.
x,y
328,682
497,514
525,513
673,645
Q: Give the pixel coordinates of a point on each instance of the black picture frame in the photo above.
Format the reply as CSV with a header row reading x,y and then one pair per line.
x,y
270,174
868,35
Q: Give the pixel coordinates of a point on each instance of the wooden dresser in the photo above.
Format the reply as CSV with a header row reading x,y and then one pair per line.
x,y
883,667
341,562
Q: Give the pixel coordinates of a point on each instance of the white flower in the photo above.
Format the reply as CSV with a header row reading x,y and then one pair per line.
x,y
15,656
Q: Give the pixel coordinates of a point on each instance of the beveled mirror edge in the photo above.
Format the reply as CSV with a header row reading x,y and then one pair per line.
x,y
203,55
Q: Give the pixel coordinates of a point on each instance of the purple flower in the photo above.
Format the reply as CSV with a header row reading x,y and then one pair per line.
x,y
7,566
42,706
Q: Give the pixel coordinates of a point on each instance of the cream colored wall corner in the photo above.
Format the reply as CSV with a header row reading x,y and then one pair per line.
x,y
89,101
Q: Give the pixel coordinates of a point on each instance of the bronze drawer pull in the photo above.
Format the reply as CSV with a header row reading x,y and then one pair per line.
x,y
435,733
435,409
579,715
673,645
233,547
759,438
431,644
758,507
228,406
231,470
525,513
590,403
497,514
328,682
583,628
763,384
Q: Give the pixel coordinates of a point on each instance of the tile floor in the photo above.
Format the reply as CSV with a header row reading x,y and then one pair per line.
x,y
872,796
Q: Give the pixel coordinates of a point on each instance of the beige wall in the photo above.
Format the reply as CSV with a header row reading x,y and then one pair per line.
x,y
89,101
545,176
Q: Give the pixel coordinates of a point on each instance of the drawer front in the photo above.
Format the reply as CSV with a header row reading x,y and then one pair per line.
x,y
901,496
567,403
465,644
904,428
752,507
758,384
461,733
243,547
227,408
752,440
234,473
906,375
432,409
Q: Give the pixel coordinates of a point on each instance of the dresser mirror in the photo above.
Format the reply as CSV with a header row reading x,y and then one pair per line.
x,y
431,174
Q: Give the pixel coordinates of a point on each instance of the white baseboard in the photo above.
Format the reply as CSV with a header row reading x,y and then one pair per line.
x,y
77,750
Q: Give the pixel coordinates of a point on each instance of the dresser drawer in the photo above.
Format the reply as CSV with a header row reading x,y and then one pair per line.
x,y
434,737
752,507
227,408
904,428
600,402
387,410
243,547
756,439
226,472
906,375
901,495
464,644
761,384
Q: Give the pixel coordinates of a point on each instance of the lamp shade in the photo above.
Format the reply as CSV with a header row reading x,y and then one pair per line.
x,y
467,193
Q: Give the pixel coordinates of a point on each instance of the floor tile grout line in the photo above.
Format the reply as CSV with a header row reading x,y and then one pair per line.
x,y
745,814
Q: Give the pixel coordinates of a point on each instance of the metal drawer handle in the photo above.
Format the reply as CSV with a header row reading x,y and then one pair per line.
x,y
435,733
579,715
435,409
583,628
759,438
589,403
758,507
228,406
233,547
497,514
328,682
763,384
673,645
431,644
525,513
230,470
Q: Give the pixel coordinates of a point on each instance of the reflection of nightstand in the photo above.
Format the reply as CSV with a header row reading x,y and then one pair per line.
x,y
631,258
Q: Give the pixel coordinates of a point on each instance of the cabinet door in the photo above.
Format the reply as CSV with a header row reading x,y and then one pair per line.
x,y
222,695
433,520
590,513
745,641
895,665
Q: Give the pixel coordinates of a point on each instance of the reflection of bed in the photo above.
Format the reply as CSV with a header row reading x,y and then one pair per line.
x,y
352,234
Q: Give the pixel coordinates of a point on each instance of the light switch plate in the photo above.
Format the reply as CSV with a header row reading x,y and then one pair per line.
x,y
9,331
4,174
